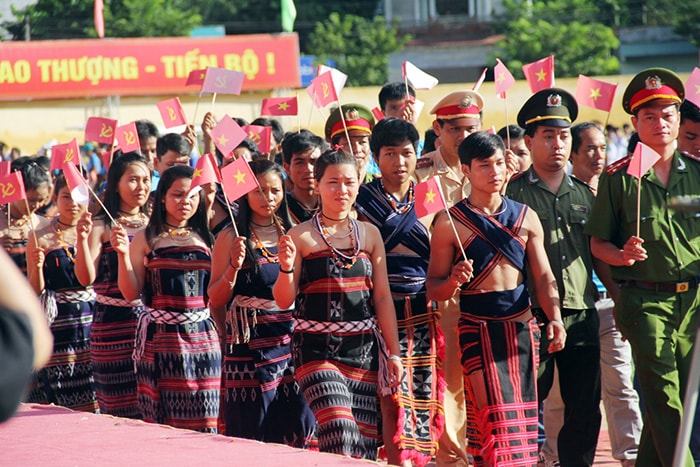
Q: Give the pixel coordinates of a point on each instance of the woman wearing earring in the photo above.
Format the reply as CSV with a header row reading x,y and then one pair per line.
x,y
263,401
334,267
67,379
114,321
177,353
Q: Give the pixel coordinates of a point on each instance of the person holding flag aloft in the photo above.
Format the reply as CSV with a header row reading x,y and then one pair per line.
x,y
654,254
501,238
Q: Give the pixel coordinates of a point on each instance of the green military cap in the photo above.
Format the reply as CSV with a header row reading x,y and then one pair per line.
x,y
550,107
357,117
651,84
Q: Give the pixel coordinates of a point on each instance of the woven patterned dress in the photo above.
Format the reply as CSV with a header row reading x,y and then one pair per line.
x,y
179,370
67,379
335,353
263,400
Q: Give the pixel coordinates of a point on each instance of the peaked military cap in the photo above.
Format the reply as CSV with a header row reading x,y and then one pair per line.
x,y
651,84
550,107
357,117
459,104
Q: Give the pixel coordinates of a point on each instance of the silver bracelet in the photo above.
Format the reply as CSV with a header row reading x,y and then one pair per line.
x,y
557,321
395,357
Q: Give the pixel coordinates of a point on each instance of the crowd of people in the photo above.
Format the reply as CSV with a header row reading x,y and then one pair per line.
x,y
320,311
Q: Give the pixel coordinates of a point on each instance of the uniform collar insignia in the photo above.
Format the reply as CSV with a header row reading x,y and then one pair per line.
x,y
532,178
681,164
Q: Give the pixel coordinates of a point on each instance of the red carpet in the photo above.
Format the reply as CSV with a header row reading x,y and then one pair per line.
x,y
50,435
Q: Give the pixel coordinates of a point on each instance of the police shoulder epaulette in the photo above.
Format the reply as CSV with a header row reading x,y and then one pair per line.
x,y
516,176
618,164
690,156
424,162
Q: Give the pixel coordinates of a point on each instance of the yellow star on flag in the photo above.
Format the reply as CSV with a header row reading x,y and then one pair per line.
x,y
697,89
283,106
501,77
240,177
541,75
197,173
223,140
430,196
595,93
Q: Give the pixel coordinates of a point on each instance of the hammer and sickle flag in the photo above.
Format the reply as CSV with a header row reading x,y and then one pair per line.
x,y
128,138
65,154
172,113
100,130
11,188
223,81
322,90
261,136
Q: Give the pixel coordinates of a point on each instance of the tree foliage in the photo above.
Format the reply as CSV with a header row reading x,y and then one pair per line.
x,y
359,46
566,29
687,22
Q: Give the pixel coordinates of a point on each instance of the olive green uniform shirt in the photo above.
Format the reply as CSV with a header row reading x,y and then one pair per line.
x,y
563,215
671,238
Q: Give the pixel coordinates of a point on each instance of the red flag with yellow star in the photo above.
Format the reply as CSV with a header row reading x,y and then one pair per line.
x,y
227,135
692,87
428,196
128,138
63,154
11,188
595,93
540,74
503,78
279,106
100,130
206,171
238,179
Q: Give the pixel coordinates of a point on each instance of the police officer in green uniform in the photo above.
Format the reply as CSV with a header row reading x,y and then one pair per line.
x,y
658,268
563,204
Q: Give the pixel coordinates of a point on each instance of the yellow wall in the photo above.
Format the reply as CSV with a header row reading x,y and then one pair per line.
x,y
31,124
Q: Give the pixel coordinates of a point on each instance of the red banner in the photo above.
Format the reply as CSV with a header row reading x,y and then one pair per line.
x,y
143,66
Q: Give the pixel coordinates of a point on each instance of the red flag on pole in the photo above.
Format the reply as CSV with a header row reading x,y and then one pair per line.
x,y
540,74
692,87
128,138
100,130
643,159
99,18
205,171
595,93
260,135
196,77
238,179
11,188
64,154
223,81
76,184
378,114
279,106
227,135
171,112
323,90
428,196
5,168
503,78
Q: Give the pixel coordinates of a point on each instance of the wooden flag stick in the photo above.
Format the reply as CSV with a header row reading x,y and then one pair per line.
x,y
345,127
29,220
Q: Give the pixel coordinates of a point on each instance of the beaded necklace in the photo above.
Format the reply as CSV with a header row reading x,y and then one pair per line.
x,y
179,234
128,222
343,260
400,207
61,240
269,256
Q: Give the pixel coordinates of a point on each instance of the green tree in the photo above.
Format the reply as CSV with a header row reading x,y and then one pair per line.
x,y
687,22
566,29
73,19
360,47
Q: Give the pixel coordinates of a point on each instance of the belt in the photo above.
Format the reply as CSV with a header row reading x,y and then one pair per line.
x,y
670,287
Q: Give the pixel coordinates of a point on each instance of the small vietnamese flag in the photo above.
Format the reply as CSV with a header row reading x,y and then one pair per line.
x,y
428,196
196,77
540,74
63,154
223,81
503,78
100,130
323,90
238,179
227,135
76,184
128,138
595,93
205,171
172,112
378,114
418,78
260,135
643,159
279,106
12,188
692,87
